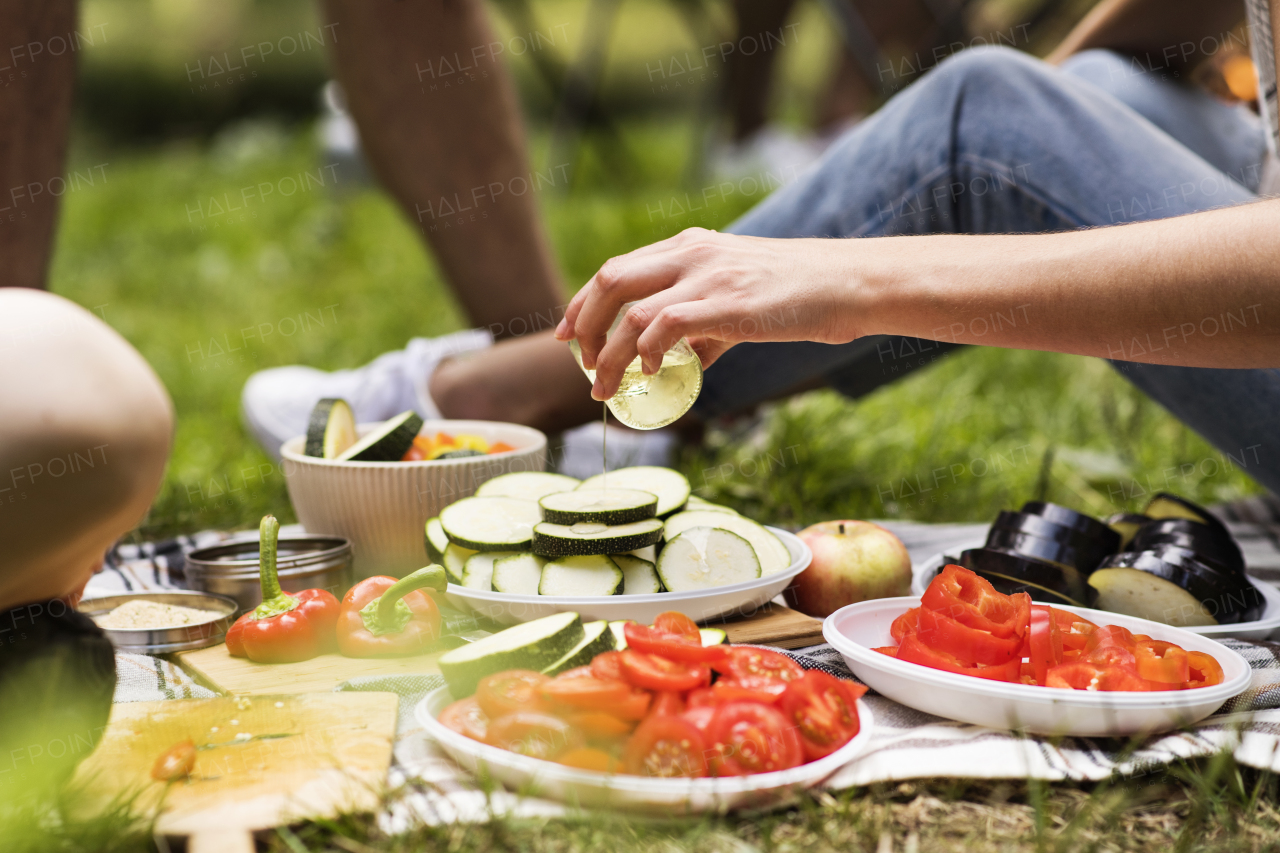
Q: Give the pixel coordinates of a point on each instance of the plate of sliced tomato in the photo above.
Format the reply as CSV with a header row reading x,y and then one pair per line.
x,y
665,725
965,651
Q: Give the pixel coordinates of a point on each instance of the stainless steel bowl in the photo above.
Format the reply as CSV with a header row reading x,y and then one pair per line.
x,y
303,562
157,641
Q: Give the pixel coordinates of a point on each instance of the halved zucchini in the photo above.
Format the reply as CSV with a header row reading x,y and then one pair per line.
x,y
706,557
437,540
532,645
772,554
639,577
671,487
597,639
454,561
581,576
614,506
1227,597
331,429
477,572
527,485
388,442
490,524
1053,583
518,574
586,538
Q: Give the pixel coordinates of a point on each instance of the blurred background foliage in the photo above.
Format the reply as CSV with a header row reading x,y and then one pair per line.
x,y
333,275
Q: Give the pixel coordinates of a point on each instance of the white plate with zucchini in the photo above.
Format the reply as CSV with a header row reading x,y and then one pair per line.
x,y
628,545
1257,629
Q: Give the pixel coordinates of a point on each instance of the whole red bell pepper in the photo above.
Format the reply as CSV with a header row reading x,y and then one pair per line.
x,y
385,617
284,628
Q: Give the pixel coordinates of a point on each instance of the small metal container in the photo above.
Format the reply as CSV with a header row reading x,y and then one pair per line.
x,y
158,641
303,562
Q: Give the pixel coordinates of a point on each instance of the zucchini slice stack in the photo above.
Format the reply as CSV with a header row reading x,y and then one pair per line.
x,y
535,533
1175,563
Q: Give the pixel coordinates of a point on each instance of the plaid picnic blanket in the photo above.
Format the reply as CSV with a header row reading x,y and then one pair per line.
x,y
905,744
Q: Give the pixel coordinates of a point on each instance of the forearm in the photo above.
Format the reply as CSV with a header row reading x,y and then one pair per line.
x,y
1196,290
440,125
1153,28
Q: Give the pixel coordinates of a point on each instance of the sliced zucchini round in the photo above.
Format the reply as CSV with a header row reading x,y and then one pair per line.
x,y
639,577
585,538
527,485
490,524
614,506
581,576
477,572
696,502
649,553
331,429
597,639
518,574
388,442
671,487
454,561
531,645
436,540
705,557
773,555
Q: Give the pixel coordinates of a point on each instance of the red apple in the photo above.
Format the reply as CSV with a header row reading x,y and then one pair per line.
x,y
852,561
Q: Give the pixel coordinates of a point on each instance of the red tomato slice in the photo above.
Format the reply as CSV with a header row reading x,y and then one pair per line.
x,y
701,717
585,692
507,692
667,702
607,665
597,724
749,666
1044,642
971,645
634,707
913,650
466,717
589,758
824,711
676,647
748,737
907,623
579,672
965,597
673,622
533,734
658,673
666,746
727,690
1205,670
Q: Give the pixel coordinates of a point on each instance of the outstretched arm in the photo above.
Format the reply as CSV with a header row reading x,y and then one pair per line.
x,y
441,127
1200,290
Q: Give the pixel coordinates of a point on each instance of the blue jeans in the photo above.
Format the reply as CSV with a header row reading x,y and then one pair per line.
x,y
994,141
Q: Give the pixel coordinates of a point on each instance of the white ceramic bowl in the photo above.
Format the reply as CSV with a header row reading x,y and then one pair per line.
x,y
855,630
382,507
665,797
1260,629
740,598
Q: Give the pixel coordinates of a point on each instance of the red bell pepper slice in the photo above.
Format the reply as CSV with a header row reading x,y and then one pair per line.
x,y
1044,641
973,601
914,650
384,617
969,645
283,628
1205,670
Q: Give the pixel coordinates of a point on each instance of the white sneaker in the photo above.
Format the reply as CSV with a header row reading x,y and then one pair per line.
x,y
276,403
581,455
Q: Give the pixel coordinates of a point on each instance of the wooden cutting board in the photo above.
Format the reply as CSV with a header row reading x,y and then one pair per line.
x,y
310,755
241,676
772,625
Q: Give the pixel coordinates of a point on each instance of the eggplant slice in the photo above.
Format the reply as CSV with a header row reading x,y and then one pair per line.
x,y
1047,582
1089,550
1126,524
1164,505
1206,541
1027,545
1224,597
1090,527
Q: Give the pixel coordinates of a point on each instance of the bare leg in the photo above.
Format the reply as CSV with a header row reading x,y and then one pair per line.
x,y
453,156
35,115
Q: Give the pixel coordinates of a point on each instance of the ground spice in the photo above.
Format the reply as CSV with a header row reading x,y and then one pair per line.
x,y
141,615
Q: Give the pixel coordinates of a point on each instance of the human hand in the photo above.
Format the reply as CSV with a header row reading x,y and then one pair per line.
x,y
717,290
